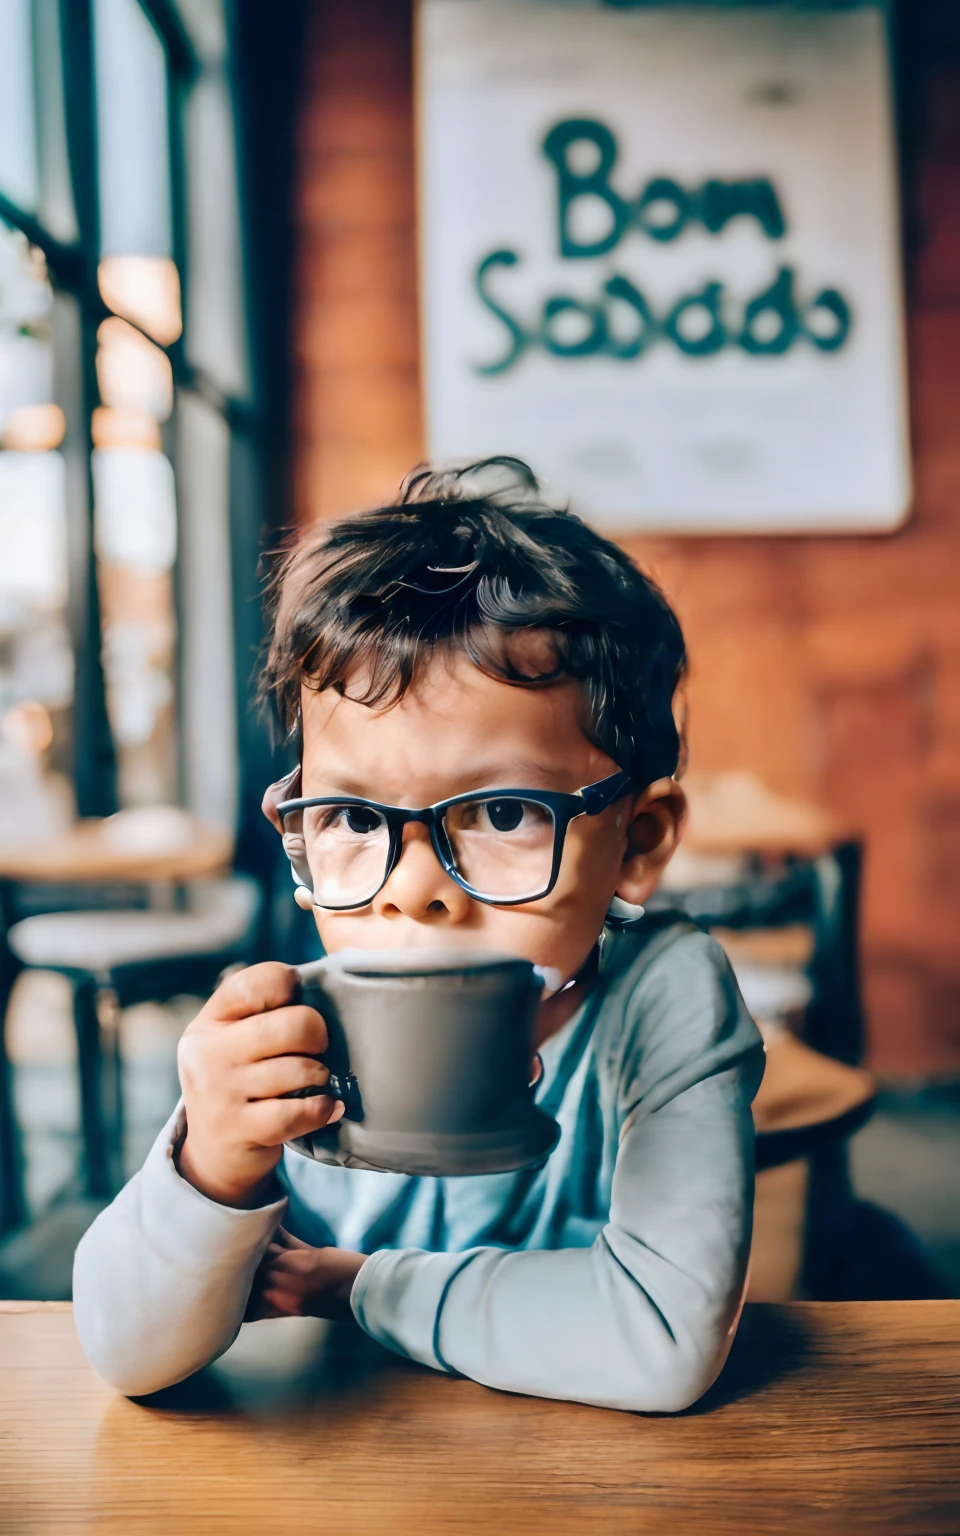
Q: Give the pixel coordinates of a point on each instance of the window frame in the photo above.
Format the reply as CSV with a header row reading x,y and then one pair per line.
x,y
73,270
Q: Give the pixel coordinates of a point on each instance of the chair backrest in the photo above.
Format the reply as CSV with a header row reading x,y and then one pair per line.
x,y
823,892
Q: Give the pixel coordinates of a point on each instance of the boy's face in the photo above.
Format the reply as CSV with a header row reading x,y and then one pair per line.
x,y
457,730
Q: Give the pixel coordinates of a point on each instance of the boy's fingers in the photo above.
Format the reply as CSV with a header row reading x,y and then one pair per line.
x,y
283,1303
287,1239
272,1273
283,1074
294,1265
271,1122
290,1285
254,990
292,1031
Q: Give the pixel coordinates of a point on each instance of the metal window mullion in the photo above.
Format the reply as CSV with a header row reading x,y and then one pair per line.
x,y
181,68
94,751
258,761
178,45
65,263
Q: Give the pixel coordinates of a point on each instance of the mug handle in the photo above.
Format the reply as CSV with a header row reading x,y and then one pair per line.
x,y
345,1088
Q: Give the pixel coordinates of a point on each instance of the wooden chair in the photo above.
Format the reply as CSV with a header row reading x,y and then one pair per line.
x,y
137,907
115,959
752,859
777,881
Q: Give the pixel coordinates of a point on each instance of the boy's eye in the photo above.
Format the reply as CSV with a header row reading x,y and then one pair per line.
x,y
343,820
499,815
504,815
360,818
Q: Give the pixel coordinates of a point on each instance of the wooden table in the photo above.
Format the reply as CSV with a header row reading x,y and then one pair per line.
x,y
92,851
830,1418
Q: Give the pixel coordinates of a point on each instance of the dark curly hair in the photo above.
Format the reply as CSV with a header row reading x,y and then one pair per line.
x,y
467,559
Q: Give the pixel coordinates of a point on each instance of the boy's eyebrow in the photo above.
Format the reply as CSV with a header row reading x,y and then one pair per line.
x,y
516,774
505,773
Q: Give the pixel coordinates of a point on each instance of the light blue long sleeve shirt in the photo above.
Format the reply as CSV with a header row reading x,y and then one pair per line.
x,y
614,1274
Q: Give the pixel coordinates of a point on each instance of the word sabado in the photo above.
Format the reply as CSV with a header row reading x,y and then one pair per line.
x,y
620,323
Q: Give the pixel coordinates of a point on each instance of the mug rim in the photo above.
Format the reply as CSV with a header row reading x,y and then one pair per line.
x,y
413,962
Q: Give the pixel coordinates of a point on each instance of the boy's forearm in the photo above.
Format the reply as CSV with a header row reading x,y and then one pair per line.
x,y
162,1278
569,1324
643,1320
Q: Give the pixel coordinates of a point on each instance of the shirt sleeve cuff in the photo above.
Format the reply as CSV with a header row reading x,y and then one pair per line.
x,y
397,1298
185,1226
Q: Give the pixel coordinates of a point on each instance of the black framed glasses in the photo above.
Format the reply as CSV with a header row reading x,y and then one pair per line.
x,y
502,846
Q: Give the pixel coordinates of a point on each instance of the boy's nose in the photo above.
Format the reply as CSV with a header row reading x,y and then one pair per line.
x,y
419,887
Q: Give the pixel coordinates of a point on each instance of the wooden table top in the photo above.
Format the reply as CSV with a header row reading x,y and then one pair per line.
x,y
830,1417
90,851
802,1087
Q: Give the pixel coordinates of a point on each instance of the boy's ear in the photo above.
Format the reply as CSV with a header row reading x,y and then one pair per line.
x,y
287,788
655,828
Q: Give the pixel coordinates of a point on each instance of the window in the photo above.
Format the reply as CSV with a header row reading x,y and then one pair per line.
x,y
124,387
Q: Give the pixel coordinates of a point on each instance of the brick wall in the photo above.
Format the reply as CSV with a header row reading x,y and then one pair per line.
x,y
357,389
831,666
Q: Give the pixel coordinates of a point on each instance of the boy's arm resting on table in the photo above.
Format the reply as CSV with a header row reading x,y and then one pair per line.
x,y
162,1277
641,1320
644,1318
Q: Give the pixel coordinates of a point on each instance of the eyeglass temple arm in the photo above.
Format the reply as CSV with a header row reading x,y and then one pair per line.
x,y
596,797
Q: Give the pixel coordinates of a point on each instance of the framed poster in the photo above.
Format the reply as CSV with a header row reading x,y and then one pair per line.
x,y
660,259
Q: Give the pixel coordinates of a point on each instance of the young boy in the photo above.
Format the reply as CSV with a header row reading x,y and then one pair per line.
x,y
466,639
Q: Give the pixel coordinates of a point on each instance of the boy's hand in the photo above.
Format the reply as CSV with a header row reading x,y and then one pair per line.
x,y
251,1043
295,1280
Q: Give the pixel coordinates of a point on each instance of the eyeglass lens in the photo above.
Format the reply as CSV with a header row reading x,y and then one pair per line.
x,y
347,848
501,847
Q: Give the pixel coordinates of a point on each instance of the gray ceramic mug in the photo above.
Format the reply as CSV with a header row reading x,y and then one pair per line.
x,y
431,1052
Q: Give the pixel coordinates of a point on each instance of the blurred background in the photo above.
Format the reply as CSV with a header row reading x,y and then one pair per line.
x,y
240,291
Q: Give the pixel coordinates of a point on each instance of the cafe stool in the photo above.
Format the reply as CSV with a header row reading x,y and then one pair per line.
x,y
807,1108
114,959
806,1100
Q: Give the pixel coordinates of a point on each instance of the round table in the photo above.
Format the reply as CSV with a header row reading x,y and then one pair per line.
x,y
95,852
163,846
806,1099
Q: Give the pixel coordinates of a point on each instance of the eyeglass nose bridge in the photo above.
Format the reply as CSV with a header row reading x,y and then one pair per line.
x,y
432,818
426,817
